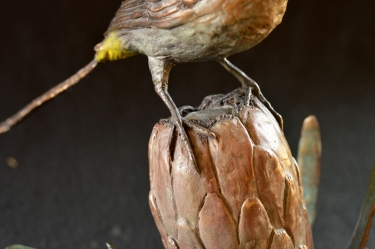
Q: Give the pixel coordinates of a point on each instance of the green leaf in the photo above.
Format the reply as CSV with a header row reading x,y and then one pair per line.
x,y
362,230
309,154
110,246
19,247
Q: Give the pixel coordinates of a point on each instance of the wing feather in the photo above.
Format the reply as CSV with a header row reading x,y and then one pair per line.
x,y
160,5
166,14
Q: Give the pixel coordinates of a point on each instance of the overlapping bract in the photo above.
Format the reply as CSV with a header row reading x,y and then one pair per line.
x,y
246,192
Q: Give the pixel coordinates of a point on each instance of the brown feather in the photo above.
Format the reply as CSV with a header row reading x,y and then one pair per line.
x,y
165,14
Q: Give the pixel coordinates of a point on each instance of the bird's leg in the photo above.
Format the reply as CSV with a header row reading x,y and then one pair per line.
x,y
160,69
251,88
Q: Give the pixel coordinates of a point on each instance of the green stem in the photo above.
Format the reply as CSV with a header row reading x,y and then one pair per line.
x,y
361,232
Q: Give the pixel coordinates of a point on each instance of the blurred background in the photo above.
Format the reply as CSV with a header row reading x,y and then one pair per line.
x,y
81,172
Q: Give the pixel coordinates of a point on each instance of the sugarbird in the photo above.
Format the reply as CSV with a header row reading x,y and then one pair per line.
x,y
169,32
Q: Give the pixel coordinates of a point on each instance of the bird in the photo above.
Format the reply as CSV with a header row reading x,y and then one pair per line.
x,y
170,32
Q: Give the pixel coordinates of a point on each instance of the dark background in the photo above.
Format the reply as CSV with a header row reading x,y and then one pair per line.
x,y
82,178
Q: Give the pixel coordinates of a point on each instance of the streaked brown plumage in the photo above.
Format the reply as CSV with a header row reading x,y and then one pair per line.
x,y
195,30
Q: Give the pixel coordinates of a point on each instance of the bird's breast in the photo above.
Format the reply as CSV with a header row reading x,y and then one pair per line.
x,y
252,20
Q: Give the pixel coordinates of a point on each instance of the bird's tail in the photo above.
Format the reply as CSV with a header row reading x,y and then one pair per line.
x,y
74,79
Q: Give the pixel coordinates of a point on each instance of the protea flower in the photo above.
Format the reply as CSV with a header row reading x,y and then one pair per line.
x,y
245,189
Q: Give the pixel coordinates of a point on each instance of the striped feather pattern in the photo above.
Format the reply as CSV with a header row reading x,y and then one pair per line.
x,y
152,13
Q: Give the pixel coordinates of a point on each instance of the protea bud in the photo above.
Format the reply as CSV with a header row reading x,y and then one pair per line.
x,y
244,192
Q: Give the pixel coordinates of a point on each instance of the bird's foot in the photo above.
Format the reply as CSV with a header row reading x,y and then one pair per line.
x,y
250,87
178,122
185,140
199,128
184,111
248,92
255,90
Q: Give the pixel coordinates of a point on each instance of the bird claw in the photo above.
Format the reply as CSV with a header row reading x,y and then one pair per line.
x,y
185,139
248,93
255,90
200,129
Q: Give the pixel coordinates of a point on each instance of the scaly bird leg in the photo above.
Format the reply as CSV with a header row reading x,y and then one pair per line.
x,y
160,69
251,87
